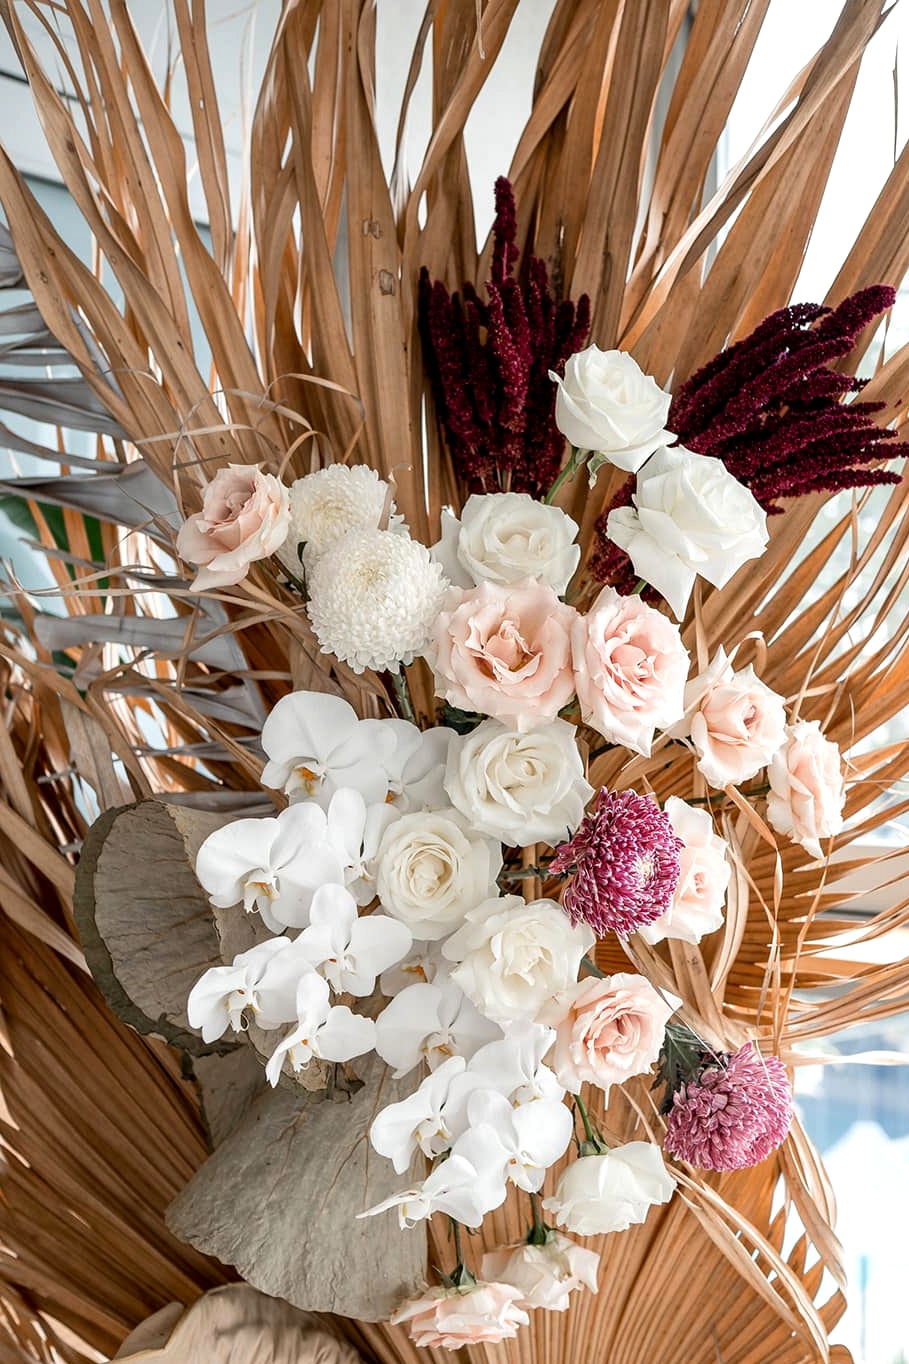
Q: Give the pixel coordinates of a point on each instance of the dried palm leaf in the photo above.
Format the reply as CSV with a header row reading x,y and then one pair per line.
x,y
329,257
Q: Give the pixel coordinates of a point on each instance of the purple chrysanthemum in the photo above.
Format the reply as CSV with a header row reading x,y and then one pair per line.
x,y
625,858
733,1114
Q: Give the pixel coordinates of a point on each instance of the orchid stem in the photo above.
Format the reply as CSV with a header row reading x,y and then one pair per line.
x,y
399,681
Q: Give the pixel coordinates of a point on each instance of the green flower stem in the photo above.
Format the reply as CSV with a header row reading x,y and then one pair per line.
x,y
638,587
399,681
568,470
456,1237
539,1234
523,873
589,1133
591,968
460,1276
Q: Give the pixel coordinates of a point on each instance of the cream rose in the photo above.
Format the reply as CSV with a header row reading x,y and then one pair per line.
x,y
244,517
704,872
630,669
431,870
607,1030
518,788
690,517
511,957
546,1275
478,1314
505,537
504,651
607,403
807,793
735,721
599,1194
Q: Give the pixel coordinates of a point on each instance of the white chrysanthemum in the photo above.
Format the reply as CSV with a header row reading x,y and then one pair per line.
x,y
326,505
374,597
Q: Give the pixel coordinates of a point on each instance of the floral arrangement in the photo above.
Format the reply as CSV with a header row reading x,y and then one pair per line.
x,y
439,791
384,896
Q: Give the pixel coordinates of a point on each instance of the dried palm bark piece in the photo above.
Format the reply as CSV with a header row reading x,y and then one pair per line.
x,y
234,1325
279,1200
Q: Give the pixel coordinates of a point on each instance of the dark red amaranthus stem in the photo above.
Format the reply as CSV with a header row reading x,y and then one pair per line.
x,y
489,364
773,409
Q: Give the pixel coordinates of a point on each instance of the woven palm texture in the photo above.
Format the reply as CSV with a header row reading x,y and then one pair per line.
x,y
287,335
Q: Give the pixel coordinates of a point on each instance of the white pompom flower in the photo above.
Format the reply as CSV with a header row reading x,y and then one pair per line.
x,y
373,599
325,505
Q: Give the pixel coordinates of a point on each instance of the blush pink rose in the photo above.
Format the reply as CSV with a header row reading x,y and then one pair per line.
x,y
735,721
807,793
481,1313
245,516
630,669
607,1030
505,650
697,903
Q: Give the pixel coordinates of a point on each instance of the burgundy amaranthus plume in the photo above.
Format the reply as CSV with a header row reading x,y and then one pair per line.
x,y
773,409
625,859
489,365
734,1111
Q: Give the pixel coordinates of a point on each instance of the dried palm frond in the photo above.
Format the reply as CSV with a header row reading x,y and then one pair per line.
x,y
145,688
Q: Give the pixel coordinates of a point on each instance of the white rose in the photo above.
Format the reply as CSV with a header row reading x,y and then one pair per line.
x,y
807,794
599,1194
519,788
506,537
607,403
690,517
511,956
431,869
547,1274
704,871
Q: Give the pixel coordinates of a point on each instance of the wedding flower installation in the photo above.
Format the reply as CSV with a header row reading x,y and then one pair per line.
x,y
439,786
399,855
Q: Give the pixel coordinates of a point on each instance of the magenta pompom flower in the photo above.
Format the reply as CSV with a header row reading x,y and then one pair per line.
x,y
625,859
733,1114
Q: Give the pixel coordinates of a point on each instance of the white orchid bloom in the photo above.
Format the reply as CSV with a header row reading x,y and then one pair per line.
x,y
326,1032
416,769
277,988
513,1066
516,1065
465,1187
222,994
423,964
533,1137
271,865
355,829
316,744
430,1023
348,951
417,1122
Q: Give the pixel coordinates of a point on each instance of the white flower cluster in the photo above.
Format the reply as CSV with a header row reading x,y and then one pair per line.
x,y
689,516
382,874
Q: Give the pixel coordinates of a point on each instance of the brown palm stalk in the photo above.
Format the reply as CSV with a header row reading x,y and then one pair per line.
x,y
325,258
